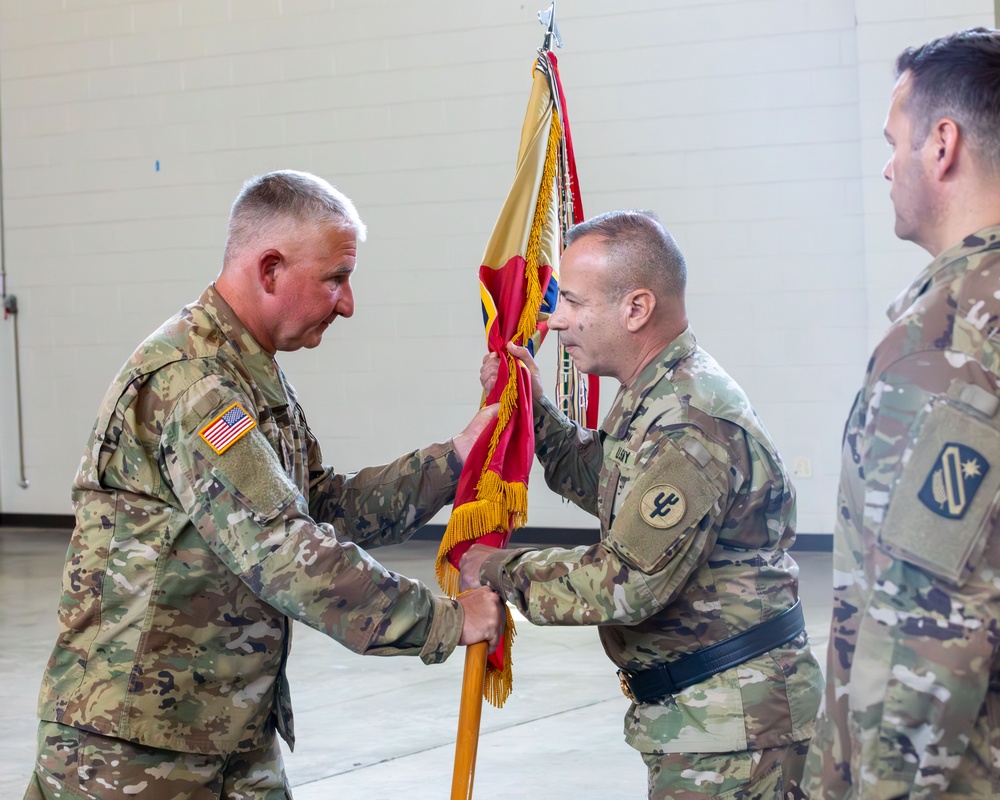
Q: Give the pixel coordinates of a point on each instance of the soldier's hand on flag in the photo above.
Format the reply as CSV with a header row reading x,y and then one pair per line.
x,y
491,365
470,565
464,441
484,619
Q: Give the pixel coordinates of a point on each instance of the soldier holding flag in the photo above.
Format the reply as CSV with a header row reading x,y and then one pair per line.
x,y
691,586
206,521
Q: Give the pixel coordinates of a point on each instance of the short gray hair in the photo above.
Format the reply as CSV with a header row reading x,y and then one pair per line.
x,y
289,195
640,252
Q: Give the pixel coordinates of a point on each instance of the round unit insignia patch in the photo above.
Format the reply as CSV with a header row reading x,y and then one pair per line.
x,y
662,506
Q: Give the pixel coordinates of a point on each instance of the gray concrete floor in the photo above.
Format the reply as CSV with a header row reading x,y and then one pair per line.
x,y
385,727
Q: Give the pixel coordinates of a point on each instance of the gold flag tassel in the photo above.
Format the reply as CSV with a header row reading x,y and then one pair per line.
x,y
499,683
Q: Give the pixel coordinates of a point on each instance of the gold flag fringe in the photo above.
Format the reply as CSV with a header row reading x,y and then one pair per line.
x,y
501,505
499,683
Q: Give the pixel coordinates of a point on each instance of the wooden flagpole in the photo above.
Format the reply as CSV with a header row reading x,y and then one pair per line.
x,y
469,715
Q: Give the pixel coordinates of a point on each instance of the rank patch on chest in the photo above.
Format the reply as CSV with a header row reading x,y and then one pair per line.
x,y
953,480
228,428
662,506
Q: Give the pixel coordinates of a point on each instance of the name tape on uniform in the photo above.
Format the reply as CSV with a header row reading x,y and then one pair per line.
x,y
623,456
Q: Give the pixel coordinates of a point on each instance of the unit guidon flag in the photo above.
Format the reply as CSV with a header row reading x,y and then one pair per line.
x,y
518,288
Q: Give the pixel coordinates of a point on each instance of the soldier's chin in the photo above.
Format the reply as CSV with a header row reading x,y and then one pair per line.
x,y
904,230
316,338
579,358
309,342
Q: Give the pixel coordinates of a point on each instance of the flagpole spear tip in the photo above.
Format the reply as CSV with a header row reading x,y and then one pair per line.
x,y
548,19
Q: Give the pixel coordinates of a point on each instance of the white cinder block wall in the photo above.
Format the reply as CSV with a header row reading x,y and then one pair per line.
x,y
753,127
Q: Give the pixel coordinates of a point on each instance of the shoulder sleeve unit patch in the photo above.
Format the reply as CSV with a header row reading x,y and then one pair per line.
x,y
670,498
227,428
662,506
945,495
953,480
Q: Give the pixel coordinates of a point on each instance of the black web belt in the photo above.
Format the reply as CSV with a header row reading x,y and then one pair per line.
x,y
647,685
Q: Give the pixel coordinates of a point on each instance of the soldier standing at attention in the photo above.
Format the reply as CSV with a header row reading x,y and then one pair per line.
x,y
912,703
691,586
206,521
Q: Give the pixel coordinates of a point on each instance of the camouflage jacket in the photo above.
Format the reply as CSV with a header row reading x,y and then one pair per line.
x,y
696,514
187,564
912,703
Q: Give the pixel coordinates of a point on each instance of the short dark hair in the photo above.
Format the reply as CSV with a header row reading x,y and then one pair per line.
x,y
957,76
640,251
288,195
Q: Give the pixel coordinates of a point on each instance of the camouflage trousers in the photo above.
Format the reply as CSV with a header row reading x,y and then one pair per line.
x,y
773,774
79,765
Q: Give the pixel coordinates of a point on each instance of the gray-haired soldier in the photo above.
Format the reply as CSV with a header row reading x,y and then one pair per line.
x,y
206,521
691,586
912,705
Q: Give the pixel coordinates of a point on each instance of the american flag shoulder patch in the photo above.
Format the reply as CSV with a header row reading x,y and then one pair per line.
x,y
228,428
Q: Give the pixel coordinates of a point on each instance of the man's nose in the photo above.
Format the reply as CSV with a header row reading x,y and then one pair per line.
x,y
345,304
556,321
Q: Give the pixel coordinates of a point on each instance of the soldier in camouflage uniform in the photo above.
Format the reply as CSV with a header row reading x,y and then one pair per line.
x,y
912,703
206,522
696,513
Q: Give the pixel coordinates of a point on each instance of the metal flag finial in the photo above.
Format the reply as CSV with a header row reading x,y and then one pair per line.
x,y
548,19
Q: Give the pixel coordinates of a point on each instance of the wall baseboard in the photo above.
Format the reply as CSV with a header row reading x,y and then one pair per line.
x,y
529,537
814,542
59,521
545,537
574,537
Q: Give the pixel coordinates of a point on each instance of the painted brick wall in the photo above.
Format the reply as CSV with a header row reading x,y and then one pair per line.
x,y
753,127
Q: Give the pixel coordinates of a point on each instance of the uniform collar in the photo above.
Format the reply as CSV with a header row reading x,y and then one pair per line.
x,y
948,265
260,364
629,398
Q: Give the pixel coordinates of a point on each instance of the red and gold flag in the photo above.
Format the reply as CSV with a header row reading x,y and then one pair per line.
x,y
518,288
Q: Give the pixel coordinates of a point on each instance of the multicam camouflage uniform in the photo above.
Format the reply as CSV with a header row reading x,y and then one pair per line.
x,y
187,564
912,703
696,514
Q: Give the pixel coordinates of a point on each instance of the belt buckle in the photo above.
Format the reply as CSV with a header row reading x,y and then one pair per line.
x,y
626,689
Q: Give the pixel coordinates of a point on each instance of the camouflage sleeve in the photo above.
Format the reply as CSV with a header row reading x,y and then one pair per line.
x,y
637,570
386,505
570,454
928,636
254,518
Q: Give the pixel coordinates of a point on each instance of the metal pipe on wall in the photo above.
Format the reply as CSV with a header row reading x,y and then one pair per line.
x,y
9,304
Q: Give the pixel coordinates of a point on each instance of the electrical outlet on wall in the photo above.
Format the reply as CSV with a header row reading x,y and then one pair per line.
x,y
802,467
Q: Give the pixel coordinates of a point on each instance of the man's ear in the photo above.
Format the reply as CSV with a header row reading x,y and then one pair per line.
x,y
639,305
268,263
943,140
